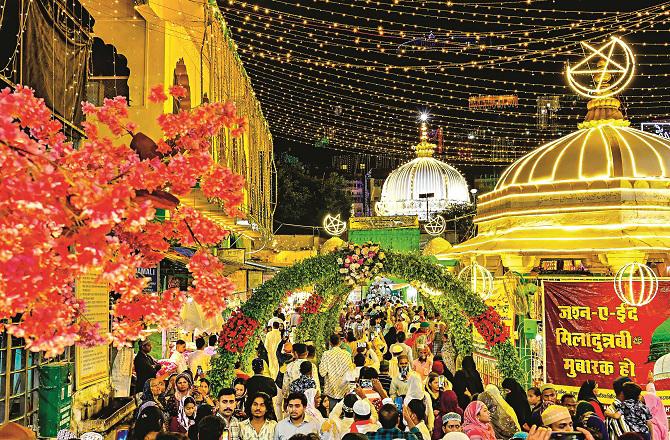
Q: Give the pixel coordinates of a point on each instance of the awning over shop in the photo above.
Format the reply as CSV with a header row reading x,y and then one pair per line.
x,y
197,200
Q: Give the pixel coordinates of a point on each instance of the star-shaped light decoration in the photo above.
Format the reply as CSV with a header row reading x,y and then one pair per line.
x,y
612,58
435,226
334,225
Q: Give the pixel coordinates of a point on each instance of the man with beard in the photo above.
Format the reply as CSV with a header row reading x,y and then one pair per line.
x,y
399,383
424,364
262,424
146,366
225,410
296,422
548,398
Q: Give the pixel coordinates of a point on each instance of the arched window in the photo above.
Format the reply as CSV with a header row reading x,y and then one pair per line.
x,y
109,74
181,79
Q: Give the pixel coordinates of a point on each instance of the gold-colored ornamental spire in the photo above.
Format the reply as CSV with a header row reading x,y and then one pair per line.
x,y
424,148
603,108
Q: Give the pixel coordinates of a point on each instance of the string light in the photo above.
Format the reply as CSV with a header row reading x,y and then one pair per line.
x,y
324,78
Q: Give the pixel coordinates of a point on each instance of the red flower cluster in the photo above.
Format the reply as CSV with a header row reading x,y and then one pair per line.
x,y
68,212
311,304
236,331
489,324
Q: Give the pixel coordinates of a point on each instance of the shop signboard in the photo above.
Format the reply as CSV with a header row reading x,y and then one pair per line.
x,y
92,363
591,334
151,273
659,128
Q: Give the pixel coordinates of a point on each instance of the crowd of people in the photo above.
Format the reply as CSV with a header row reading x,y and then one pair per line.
x,y
389,372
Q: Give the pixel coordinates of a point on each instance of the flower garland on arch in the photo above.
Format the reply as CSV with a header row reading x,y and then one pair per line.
x,y
490,326
236,331
311,304
327,268
360,263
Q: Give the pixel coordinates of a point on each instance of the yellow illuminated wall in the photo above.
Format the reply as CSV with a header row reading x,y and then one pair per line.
x,y
153,36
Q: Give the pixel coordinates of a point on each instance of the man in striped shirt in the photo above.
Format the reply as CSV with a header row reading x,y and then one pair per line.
x,y
334,365
616,423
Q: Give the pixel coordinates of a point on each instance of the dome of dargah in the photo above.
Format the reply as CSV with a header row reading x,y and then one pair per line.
x,y
660,341
602,163
423,175
602,190
662,368
604,149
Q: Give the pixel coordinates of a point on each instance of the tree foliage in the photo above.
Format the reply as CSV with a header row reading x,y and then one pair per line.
x,y
305,197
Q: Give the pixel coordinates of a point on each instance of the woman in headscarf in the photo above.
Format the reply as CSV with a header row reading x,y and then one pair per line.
x,y
461,389
659,418
186,417
517,399
390,337
415,391
448,403
183,387
585,417
312,395
587,393
473,381
433,390
153,392
503,418
240,387
170,384
477,422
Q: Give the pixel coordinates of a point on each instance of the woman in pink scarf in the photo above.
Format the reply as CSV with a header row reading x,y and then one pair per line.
x,y
477,422
659,419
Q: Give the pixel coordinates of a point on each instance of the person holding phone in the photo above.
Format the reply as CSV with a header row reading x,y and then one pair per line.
x,y
389,417
399,383
559,423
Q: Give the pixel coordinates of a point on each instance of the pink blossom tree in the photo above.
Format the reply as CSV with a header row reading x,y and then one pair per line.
x,y
65,212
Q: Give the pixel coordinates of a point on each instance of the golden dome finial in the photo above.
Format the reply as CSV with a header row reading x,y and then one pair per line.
x,y
424,148
614,57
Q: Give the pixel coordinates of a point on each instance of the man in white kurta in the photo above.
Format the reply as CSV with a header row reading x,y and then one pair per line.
x,y
272,340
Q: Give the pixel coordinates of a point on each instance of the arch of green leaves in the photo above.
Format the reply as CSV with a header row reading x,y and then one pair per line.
x,y
456,303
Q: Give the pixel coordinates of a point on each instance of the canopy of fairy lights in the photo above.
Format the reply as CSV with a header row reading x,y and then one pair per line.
x,y
603,191
350,74
422,186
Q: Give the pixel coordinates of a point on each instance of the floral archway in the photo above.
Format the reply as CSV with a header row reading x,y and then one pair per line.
x,y
334,275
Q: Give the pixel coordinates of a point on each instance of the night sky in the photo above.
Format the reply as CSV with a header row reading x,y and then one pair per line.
x,y
358,72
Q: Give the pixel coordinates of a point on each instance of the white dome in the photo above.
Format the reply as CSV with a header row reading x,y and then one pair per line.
x,y
400,193
662,368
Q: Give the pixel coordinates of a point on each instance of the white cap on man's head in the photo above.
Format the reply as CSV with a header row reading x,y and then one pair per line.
x,y
456,435
361,408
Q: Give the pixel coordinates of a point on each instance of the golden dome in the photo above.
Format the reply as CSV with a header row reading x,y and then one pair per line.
x,y
603,152
600,193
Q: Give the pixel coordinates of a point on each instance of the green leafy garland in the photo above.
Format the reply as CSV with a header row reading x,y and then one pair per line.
x,y
423,269
458,326
325,269
263,303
